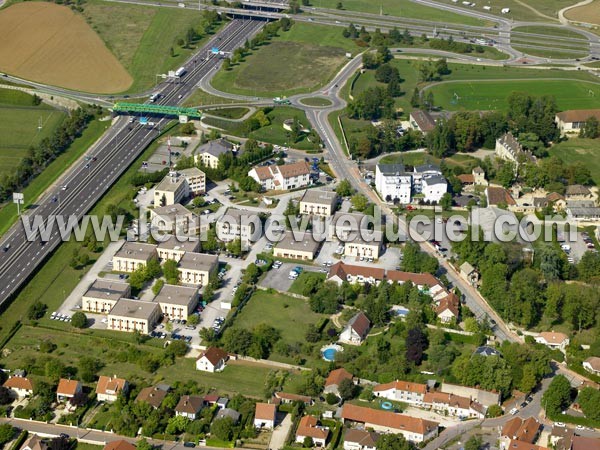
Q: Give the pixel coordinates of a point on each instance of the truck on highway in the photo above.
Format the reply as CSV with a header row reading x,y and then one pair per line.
x,y
154,97
179,72
281,101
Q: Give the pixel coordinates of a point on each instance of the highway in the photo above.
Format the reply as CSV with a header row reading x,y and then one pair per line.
x,y
113,153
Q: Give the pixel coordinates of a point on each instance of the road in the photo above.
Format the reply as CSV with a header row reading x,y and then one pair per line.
x,y
114,152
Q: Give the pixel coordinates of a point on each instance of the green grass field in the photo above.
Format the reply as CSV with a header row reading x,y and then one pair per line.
x,y
316,101
19,122
575,150
549,31
538,10
551,53
491,95
401,8
141,37
289,315
465,161
202,98
229,113
281,69
298,284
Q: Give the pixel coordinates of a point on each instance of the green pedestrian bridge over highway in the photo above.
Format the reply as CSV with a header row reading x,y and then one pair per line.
x,y
161,110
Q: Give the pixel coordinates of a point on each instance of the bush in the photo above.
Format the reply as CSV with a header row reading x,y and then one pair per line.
x,y
79,320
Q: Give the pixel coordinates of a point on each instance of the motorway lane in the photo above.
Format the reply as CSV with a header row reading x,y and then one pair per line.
x,y
115,151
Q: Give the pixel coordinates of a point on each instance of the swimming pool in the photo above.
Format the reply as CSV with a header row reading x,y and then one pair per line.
x,y
329,351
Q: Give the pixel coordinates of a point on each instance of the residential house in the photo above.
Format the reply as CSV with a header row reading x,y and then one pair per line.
x,y
393,183
198,268
448,308
413,429
578,192
333,380
454,405
424,281
592,365
109,388
498,196
520,445
238,224
341,272
121,444
475,178
357,329
286,397
302,246
421,120
486,398
265,415
309,428
67,389
557,201
177,219
177,302
285,177
228,412
103,294
469,273
174,248
212,359
208,154
572,121
133,315
360,439
133,255
222,402
585,443
508,148
561,438
189,406
524,430
34,442
402,391
20,387
153,395
553,340
433,188
318,203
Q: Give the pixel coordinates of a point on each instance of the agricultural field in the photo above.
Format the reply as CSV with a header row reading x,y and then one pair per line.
x,y
19,122
589,13
51,44
289,315
141,37
575,150
401,8
491,95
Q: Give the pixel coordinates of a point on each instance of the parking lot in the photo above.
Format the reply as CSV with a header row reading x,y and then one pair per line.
x,y
279,278
575,250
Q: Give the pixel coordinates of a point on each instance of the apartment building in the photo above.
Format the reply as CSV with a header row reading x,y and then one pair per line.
x,y
402,391
320,203
177,219
208,154
103,294
197,268
393,183
133,315
177,302
238,224
133,255
285,177
174,248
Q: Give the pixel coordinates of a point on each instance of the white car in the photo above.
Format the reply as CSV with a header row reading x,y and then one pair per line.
x,y
580,427
559,424
513,411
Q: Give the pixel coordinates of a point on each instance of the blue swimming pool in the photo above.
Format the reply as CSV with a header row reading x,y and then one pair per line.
x,y
329,354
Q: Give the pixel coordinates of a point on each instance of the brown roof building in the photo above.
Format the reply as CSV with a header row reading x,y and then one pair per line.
x,y
19,383
520,445
285,397
585,443
121,444
422,121
341,272
34,443
189,406
573,121
108,388
355,332
498,196
309,427
152,395
525,430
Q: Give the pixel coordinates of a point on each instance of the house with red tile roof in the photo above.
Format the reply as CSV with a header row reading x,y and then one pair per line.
x,y
67,389
20,387
287,176
448,308
454,405
360,439
334,378
121,444
212,360
520,445
402,391
553,340
524,430
341,272
189,406
109,388
309,427
286,397
357,329
412,428
592,365
265,415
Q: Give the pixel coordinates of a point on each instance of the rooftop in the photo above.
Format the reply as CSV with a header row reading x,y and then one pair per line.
x,y
107,289
170,183
292,170
198,261
152,395
342,270
173,211
215,148
265,411
176,295
498,195
191,172
214,355
109,385
174,243
361,437
136,250
189,404
121,444
360,323
392,169
578,115
319,197
18,383
399,385
387,419
308,426
299,242
553,338
67,387
336,376
134,309
423,119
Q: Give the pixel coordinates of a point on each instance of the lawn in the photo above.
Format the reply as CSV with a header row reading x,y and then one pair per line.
x,y
532,10
298,284
39,184
575,150
289,315
400,8
316,101
229,113
19,121
551,53
492,95
549,31
202,98
465,161
141,37
281,69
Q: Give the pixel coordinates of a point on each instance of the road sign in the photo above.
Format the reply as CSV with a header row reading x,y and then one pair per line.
x,y
143,120
172,74
19,199
215,50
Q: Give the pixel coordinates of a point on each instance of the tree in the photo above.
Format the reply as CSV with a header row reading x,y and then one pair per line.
x,y
235,247
359,202
36,310
416,344
5,396
446,201
88,367
339,5
177,425
6,433
79,320
415,99
308,442
177,348
347,389
589,399
170,271
393,442
157,286
474,443
54,369
248,184
143,444
558,396
344,188
591,128
222,429
227,64
494,411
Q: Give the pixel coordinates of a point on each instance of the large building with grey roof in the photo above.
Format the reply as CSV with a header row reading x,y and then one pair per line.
x,y
103,294
197,268
133,315
177,302
133,255
317,202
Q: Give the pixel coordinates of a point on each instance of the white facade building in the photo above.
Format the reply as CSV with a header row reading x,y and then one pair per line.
x,y
392,182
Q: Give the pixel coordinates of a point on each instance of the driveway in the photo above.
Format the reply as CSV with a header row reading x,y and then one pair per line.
x,y
278,279
280,433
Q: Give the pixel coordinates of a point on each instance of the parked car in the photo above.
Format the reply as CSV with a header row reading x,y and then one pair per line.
x,y
513,411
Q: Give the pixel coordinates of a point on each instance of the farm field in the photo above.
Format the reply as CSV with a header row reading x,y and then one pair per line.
x,y
491,95
141,37
289,315
281,69
589,13
575,150
402,8
19,121
38,40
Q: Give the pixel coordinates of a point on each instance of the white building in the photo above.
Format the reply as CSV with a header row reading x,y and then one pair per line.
x,y
109,388
238,224
592,365
265,415
309,428
433,187
553,340
402,391
355,332
20,387
287,176
392,182
211,360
